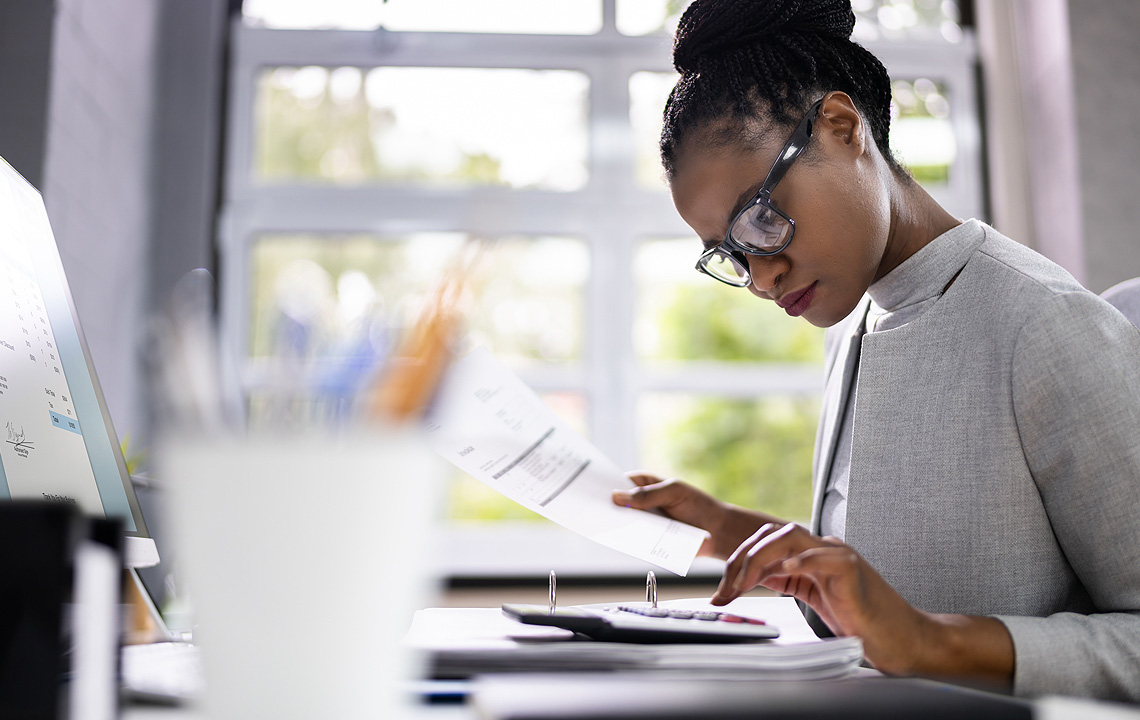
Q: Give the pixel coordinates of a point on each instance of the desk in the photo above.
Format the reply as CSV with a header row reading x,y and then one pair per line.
x,y
430,712
1054,708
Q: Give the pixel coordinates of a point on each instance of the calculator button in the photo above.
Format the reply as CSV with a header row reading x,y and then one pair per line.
x,y
706,615
731,618
681,614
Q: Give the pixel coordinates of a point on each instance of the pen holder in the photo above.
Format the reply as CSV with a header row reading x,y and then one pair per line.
x,y
305,560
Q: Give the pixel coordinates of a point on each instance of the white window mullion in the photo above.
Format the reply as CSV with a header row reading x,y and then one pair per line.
x,y
610,351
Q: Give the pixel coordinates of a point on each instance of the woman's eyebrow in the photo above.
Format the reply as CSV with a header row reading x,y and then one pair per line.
x,y
745,197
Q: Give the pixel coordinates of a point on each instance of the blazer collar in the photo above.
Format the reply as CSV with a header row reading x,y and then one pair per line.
x,y
836,393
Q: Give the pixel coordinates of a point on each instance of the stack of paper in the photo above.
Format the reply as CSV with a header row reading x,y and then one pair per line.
x,y
470,641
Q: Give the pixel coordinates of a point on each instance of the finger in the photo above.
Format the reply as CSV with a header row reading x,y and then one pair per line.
x,y
822,577
768,547
785,542
727,590
661,494
641,477
820,562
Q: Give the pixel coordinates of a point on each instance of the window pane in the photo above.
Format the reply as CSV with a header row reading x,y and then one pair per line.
x,y
754,453
874,19
470,500
648,92
320,297
906,20
922,134
683,315
565,17
645,17
520,128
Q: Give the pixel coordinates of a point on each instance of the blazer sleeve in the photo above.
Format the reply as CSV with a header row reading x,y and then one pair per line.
x,y
1076,397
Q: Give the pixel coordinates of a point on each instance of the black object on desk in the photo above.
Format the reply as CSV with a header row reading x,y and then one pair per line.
x,y
43,632
627,623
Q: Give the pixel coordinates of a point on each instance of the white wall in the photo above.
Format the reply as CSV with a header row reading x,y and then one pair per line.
x,y
1106,73
96,180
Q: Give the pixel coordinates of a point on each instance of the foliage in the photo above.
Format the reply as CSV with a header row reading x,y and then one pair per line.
x,y
753,454
469,499
303,137
730,325
326,138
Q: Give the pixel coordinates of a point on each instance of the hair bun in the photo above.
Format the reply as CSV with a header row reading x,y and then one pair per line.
x,y
710,29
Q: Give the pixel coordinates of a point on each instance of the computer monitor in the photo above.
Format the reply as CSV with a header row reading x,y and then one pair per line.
x,y
59,443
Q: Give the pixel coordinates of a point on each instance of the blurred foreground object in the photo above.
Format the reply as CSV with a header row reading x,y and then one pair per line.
x,y
303,518
187,371
60,582
304,557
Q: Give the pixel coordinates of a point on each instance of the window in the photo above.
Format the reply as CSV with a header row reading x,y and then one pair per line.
x,y
369,140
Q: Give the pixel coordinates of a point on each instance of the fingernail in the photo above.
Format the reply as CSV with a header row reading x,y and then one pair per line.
x,y
792,564
622,498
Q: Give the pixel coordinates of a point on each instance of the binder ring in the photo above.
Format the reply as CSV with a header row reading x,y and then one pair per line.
x,y
553,592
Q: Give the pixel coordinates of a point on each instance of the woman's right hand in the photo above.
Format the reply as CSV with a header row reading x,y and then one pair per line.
x,y
728,525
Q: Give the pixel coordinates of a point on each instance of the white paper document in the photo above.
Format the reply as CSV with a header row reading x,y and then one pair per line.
x,y
460,642
488,423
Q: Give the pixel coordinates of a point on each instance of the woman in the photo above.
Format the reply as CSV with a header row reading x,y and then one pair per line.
x,y
977,469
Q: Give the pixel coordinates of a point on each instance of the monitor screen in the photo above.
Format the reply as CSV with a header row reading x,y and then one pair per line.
x,y
58,444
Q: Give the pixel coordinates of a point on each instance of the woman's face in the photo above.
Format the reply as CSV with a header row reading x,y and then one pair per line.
x,y
836,195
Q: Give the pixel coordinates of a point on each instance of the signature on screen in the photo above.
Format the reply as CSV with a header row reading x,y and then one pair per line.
x,y
17,439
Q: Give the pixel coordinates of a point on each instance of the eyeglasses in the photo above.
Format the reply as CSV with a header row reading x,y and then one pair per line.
x,y
760,228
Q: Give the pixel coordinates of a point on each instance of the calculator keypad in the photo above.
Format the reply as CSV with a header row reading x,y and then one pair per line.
x,y
689,614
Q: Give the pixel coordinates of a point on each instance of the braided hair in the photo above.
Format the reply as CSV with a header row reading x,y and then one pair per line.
x,y
770,59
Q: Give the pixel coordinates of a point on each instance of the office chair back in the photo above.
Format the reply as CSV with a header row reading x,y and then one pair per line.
x,y
1125,297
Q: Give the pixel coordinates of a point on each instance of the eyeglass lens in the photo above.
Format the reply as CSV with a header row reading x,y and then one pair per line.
x,y
761,228
725,268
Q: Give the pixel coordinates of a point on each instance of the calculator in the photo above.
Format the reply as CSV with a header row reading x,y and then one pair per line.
x,y
640,624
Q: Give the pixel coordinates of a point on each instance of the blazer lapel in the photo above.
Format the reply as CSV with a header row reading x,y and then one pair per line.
x,y
835,394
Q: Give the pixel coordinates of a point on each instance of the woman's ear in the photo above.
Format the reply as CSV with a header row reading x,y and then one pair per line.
x,y
840,121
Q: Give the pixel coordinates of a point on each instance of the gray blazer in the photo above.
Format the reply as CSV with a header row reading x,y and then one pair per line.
x,y
995,464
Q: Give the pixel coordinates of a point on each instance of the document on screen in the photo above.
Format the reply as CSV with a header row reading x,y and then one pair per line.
x,y
488,423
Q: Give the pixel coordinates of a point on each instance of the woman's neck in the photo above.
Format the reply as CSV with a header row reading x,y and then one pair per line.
x,y
916,219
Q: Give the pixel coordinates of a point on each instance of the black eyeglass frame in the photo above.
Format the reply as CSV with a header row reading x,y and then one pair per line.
x,y
793,148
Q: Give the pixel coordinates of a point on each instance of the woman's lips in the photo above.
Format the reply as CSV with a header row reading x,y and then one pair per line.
x,y
796,303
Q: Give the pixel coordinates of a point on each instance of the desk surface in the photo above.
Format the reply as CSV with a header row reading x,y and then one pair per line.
x,y
1055,708
428,712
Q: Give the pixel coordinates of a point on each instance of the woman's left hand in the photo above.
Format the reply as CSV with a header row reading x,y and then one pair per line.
x,y
849,595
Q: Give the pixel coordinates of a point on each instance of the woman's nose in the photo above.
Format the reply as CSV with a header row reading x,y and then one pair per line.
x,y
766,272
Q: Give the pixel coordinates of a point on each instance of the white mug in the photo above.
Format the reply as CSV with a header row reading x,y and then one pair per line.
x,y
304,558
